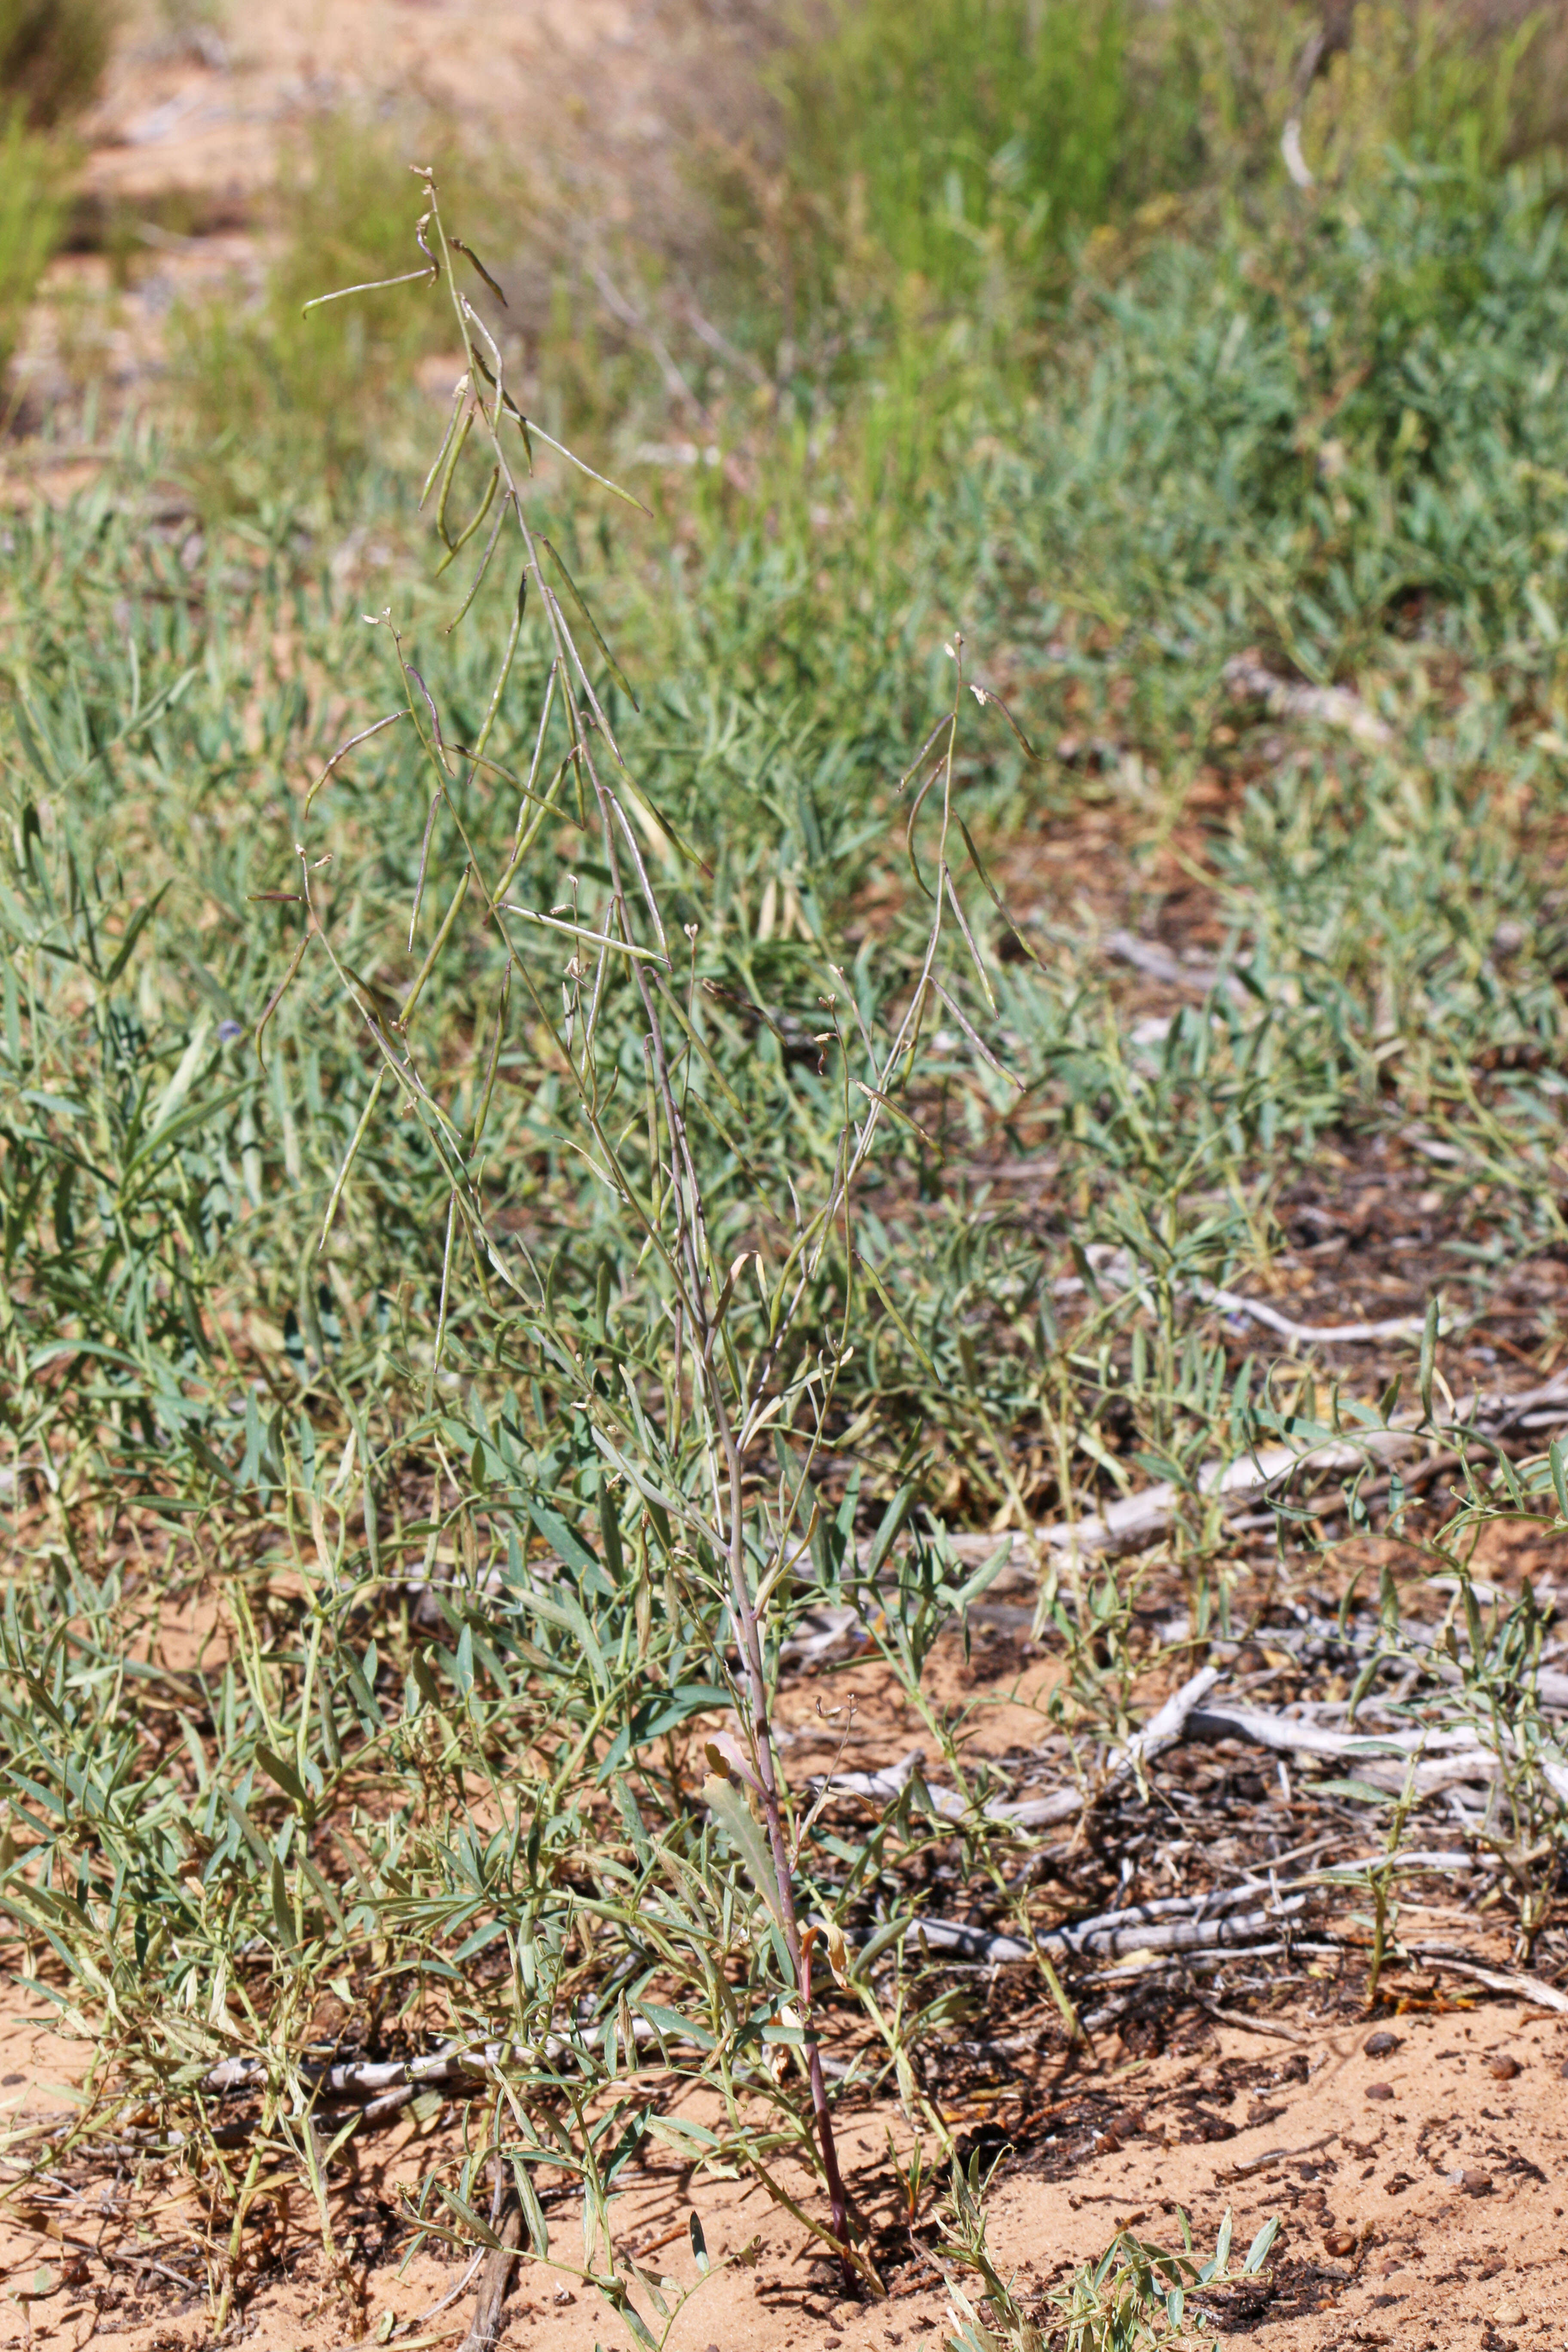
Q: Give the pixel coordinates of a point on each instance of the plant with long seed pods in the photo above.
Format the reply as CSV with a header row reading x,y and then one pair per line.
x,y
734,1352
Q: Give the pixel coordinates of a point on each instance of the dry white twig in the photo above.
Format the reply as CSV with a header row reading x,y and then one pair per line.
x,y
1524,1988
1284,698
1332,1335
1440,1758
1135,1520
1161,1731
1120,1935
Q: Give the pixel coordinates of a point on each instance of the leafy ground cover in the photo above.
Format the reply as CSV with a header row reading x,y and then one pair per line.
x,y
727,1211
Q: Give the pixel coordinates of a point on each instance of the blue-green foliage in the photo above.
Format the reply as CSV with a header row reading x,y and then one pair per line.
x,y
1349,424
1340,439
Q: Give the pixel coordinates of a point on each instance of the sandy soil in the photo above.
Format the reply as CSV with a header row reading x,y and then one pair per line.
x,y
598,105
1417,2160
1421,2193
572,82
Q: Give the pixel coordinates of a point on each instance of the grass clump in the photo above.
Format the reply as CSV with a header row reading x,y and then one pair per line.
x,y
32,217
269,391
930,163
927,135
1333,437
52,56
1451,86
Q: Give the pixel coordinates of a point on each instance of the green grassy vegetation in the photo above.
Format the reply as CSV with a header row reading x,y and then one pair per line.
x,y
52,54
502,1224
32,213
277,400
922,166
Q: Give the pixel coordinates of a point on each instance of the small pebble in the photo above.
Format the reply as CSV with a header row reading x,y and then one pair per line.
x,y
1381,2045
1508,2314
1380,2091
1502,2066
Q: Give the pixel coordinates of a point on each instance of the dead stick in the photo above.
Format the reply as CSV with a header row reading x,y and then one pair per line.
x,y
1253,2024
495,2279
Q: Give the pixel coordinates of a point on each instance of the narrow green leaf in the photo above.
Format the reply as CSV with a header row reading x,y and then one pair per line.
x,y
282,1910
577,598
561,1539
425,1681
288,1779
1559,1476
133,930
465,2212
1258,2253
1429,1353
568,1613
726,1801
534,2219
986,1576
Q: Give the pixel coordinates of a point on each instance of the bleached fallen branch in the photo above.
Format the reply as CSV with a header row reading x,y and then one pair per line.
x,y
1284,698
1353,1870
388,2083
1254,2024
1182,1924
1444,1756
1156,962
1135,1520
1550,1686
1321,1335
1192,1935
1161,1731
362,2078
818,1631
1295,162
1524,1987
1426,1760
1441,1758
1160,1907
1113,1269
